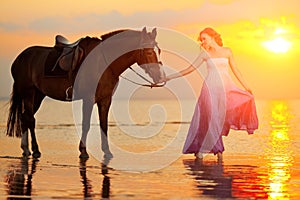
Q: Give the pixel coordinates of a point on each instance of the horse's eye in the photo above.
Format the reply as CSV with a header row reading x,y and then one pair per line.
x,y
148,52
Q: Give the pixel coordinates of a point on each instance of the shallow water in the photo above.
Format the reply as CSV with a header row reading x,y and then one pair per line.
x,y
263,165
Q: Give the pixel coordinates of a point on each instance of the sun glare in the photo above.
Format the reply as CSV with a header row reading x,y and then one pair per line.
x,y
277,45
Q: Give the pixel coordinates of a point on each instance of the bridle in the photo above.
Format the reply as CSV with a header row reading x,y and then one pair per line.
x,y
151,84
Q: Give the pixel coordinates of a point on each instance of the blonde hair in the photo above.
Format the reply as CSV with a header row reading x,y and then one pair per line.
x,y
212,33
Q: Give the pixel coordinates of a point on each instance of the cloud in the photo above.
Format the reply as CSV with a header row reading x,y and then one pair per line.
x,y
243,23
96,22
10,27
208,12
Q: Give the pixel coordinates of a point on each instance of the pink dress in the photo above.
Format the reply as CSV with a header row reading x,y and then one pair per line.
x,y
221,106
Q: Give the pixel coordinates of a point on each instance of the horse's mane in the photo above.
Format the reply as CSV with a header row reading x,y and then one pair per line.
x,y
108,35
90,42
104,36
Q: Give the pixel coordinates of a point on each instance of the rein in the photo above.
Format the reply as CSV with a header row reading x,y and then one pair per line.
x,y
151,84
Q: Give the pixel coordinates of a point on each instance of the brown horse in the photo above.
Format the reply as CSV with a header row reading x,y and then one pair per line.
x,y
94,81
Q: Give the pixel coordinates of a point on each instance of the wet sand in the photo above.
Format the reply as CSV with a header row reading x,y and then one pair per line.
x,y
260,166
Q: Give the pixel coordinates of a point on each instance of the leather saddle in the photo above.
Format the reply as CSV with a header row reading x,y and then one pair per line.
x,y
71,53
62,42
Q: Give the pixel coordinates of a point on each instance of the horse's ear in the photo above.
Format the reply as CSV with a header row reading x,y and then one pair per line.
x,y
144,31
144,35
154,33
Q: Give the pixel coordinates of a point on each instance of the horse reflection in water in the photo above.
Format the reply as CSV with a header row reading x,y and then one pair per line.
x,y
93,79
87,186
19,179
106,180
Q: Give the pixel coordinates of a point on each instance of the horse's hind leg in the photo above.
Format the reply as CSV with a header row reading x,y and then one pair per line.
x,y
26,120
38,98
26,123
30,105
24,142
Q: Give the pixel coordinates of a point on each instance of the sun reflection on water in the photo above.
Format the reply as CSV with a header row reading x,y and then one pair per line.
x,y
279,155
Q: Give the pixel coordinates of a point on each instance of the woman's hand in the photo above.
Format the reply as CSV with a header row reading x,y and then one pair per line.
x,y
249,90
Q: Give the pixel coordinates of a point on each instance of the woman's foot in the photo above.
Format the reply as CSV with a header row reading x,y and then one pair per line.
x,y
199,155
220,156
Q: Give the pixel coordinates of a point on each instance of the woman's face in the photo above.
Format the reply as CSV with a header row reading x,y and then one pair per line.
x,y
205,40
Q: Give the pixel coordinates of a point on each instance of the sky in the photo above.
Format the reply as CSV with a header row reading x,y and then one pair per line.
x,y
264,35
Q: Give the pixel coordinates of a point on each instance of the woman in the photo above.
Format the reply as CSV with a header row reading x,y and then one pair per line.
x,y
222,105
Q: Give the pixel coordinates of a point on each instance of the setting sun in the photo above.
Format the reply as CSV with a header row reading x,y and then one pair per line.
x,y
277,45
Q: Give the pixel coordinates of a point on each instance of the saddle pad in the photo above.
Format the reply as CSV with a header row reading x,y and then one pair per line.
x,y
49,69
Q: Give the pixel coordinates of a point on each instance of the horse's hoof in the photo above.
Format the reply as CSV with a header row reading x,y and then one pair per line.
x,y
84,156
36,154
26,154
108,156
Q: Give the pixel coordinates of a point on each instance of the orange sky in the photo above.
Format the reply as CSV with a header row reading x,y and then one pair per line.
x,y
244,26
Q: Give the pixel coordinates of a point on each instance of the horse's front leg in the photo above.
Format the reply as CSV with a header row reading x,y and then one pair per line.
x,y
87,108
103,108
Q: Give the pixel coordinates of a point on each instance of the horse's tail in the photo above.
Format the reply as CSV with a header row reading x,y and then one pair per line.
x,y
14,117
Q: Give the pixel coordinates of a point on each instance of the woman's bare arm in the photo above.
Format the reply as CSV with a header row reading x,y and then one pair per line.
x,y
199,60
236,72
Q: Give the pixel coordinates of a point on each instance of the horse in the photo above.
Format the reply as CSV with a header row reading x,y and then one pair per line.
x,y
94,81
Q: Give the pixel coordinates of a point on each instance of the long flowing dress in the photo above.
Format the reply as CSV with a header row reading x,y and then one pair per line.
x,y
221,106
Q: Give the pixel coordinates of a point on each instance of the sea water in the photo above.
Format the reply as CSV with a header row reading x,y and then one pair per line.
x,y
263,165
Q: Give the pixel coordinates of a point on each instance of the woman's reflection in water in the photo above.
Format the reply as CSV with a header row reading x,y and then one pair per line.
x,y
19,179
209,177
87,186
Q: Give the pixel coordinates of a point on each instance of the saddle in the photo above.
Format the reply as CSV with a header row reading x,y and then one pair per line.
x,y
64,61
62,42
71,53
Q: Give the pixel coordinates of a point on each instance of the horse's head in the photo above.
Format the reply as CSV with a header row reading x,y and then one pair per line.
x,y
149,53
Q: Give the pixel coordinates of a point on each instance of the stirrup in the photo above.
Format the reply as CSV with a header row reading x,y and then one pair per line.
x,y
68,98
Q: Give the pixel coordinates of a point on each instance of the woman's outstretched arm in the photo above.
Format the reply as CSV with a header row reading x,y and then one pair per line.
x,y
199,60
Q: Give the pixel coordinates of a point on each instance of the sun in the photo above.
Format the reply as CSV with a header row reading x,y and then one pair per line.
x,y
277,45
